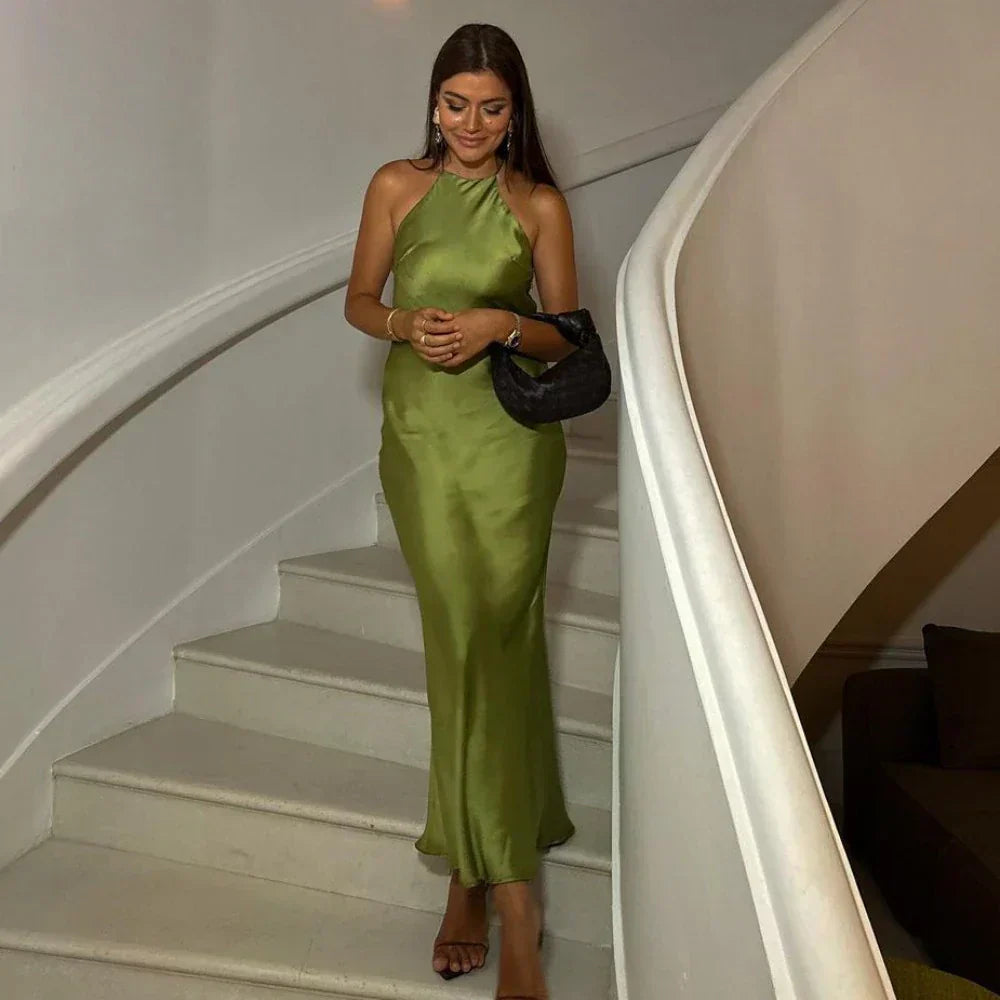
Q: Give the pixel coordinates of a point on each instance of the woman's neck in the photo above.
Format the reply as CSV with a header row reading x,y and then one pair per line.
x,y
497,166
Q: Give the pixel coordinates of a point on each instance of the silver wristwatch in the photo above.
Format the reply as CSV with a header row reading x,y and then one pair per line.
x,y
513,341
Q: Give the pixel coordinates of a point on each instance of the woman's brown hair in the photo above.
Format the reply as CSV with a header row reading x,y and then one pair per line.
x,y
474,48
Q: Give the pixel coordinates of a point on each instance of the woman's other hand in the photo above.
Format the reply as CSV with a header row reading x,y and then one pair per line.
x,y
431,333
476,329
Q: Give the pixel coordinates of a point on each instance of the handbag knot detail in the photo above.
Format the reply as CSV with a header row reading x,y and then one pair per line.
x,y
577,384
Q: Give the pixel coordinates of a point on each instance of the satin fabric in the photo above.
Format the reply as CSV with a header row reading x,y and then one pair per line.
x,y
472,492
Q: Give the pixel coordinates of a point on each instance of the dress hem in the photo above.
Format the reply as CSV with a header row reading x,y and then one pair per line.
x,y
499,880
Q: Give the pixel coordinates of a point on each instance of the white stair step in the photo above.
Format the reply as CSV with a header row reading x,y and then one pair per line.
x,y
27,975
361,696
591,473
133,925
584,549
600,425
369,593
208,793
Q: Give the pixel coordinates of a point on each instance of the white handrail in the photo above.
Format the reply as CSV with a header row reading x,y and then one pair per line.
x,y
815,942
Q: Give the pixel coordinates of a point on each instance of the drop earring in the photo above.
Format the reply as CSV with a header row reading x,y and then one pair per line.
x,y
438,137
510,139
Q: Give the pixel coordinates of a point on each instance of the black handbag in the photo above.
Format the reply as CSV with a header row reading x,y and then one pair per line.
x,y
579,383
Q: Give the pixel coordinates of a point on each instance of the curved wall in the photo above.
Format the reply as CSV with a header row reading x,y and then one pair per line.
x,y
168,525
839,326
178,173
157,150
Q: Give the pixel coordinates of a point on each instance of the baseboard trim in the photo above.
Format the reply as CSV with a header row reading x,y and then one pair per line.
x,y
908,650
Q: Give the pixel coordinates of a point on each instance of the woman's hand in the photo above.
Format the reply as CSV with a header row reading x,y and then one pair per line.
x,y
431,333
475,330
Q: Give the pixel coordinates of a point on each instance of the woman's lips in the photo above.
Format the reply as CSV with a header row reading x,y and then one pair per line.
x,y
469,142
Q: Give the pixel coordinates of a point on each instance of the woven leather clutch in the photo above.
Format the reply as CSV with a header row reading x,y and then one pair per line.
x,y
579,383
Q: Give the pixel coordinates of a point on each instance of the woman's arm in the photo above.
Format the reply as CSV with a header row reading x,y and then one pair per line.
x,y
372,258
370,269
555,275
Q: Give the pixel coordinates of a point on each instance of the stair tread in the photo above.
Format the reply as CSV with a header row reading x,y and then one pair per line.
x,y
593,450
601,425
319,656
179,754
83,901
385,569
581,516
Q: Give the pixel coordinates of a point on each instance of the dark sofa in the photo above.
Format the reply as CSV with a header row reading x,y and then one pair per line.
x,y
930,833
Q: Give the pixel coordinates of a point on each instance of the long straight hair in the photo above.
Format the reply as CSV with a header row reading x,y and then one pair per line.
x,y
473,48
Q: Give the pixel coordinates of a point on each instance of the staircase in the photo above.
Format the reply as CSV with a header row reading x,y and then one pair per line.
x,y
257,842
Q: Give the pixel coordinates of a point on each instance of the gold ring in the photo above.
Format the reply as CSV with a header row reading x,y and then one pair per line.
x,y
423,339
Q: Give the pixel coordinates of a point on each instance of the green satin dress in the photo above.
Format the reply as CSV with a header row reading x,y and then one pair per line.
x,y
472,493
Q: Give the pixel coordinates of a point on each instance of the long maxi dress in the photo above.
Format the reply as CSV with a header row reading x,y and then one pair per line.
x,y
472,493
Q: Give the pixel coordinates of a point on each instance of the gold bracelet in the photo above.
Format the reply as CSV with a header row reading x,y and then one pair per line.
x,y
388,326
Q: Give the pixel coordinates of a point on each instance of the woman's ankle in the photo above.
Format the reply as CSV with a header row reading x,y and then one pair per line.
x,y
516,901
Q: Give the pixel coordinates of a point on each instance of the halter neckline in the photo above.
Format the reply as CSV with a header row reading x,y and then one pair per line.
x,y
488,177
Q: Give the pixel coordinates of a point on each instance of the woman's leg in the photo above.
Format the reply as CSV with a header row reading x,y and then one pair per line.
x,y
520,972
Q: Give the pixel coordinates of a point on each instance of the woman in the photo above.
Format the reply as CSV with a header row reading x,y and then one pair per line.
x,y
470,490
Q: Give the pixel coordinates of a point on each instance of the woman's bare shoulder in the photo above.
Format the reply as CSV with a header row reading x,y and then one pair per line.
x,y
549,209
541,204
398,185
546,198
398,176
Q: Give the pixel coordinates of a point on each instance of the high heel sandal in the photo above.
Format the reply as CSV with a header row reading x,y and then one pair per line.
x,y
446,972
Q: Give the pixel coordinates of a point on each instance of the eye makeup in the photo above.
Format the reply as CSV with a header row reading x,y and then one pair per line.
x,y
492,112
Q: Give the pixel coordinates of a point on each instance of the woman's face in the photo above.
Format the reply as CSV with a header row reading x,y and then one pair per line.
x,y
474,110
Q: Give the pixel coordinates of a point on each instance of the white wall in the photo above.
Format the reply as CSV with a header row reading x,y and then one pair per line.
x,y
842,352
169,527
607,215
155,151
948,573
843,403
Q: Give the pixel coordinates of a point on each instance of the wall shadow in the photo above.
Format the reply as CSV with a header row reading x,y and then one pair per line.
x,y
895,594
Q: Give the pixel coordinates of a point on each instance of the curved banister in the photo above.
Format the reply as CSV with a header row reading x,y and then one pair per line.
x,y
809,370
723,838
